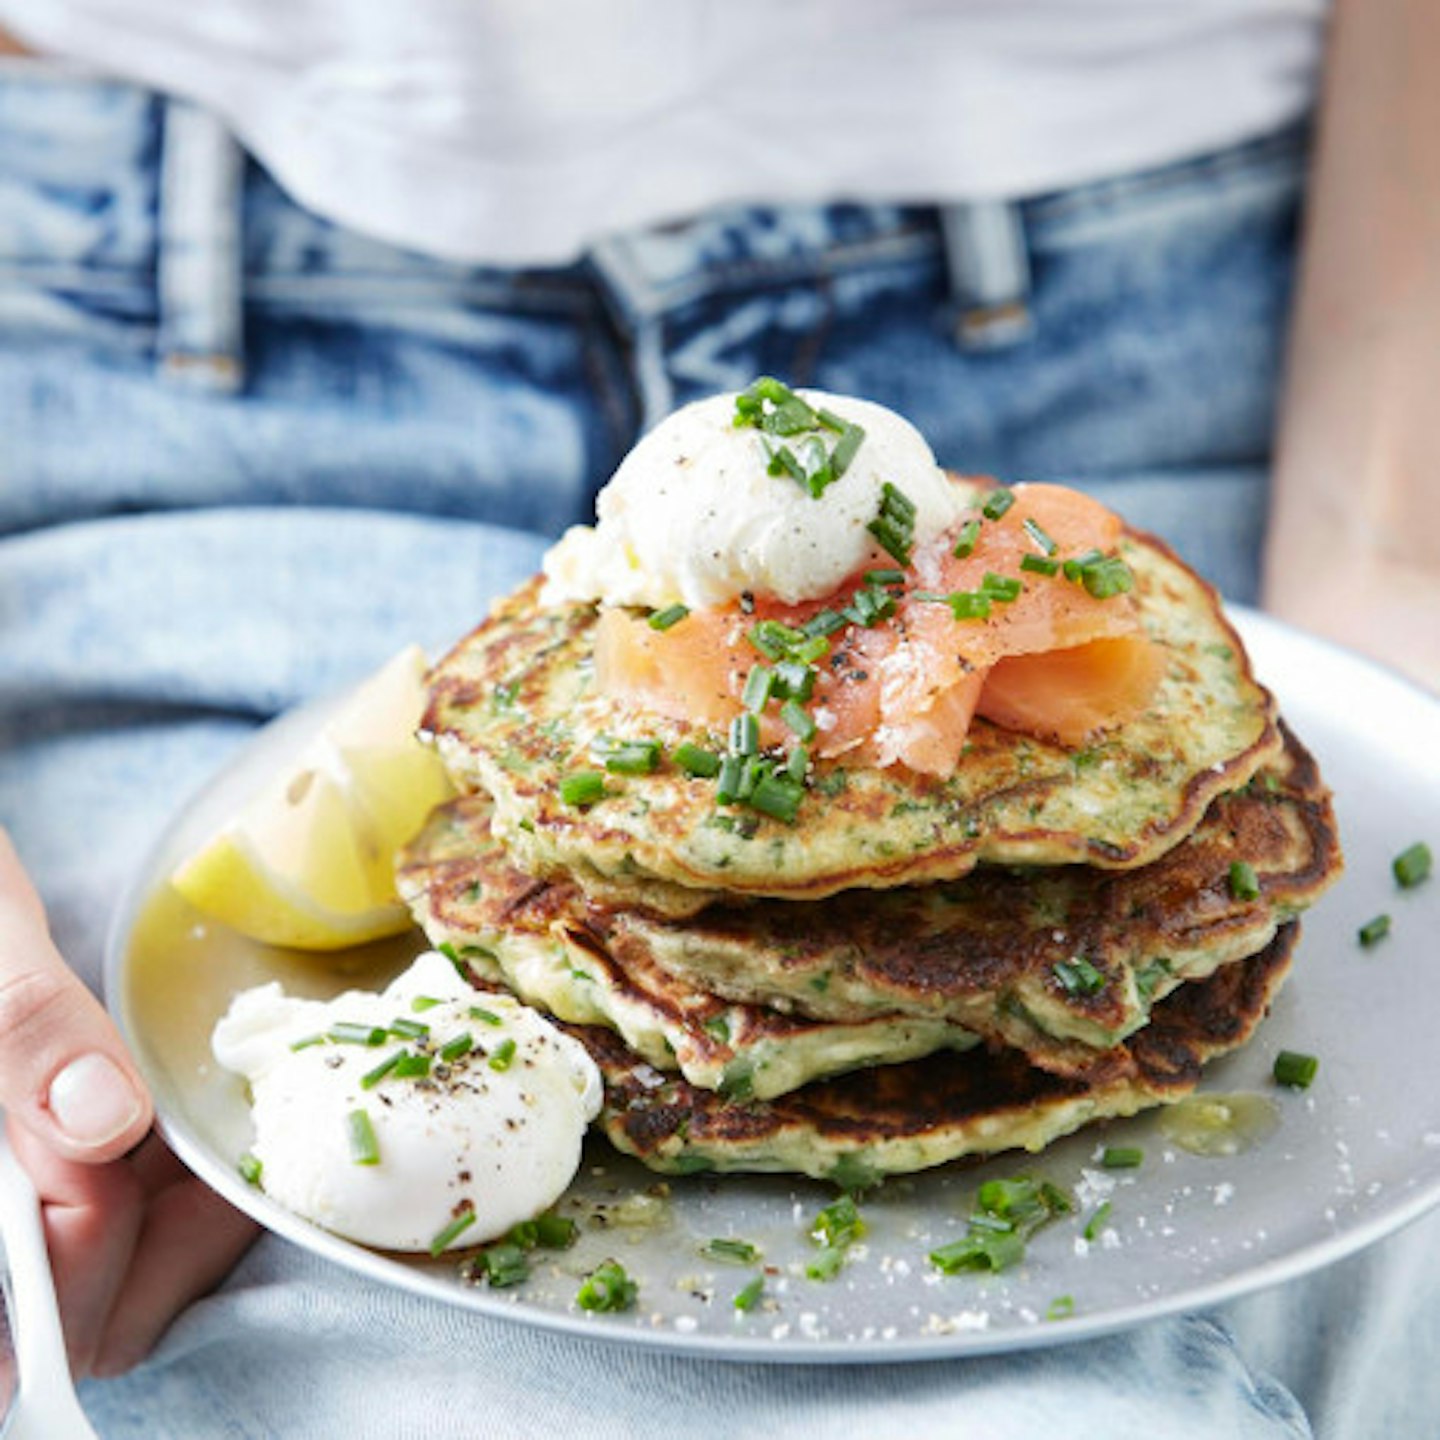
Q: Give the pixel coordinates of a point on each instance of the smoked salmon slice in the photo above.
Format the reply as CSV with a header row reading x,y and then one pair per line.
x,y
1054,661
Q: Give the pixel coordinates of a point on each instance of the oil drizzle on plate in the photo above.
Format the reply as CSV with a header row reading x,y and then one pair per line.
x,y
1212,1124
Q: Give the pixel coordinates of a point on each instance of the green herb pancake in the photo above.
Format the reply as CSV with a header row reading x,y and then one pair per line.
x,y
514,711
1054,962
530,936
901,1118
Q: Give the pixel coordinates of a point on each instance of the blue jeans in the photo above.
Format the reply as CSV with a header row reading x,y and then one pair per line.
x,y
244,456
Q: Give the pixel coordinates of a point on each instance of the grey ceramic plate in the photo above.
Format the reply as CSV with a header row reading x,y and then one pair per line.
x,y
1352,1159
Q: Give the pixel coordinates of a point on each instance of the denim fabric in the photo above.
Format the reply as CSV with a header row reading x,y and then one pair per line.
x,y
203,522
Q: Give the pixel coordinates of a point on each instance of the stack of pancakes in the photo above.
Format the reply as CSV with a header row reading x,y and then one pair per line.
x,y
916,969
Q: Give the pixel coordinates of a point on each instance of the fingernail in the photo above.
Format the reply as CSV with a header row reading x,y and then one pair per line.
x,y
93,1100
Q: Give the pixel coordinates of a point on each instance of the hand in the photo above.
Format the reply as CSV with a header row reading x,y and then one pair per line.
x,y
133,1237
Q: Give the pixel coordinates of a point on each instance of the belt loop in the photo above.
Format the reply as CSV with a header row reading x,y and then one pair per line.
x,y
199,264
989,265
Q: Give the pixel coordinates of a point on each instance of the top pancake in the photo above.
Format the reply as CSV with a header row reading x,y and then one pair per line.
x,y
514,709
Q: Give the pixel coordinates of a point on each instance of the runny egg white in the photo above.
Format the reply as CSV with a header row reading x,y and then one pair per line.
x,y
494,1132
694,516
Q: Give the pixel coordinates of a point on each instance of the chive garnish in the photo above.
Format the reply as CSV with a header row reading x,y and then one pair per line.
x,y
1077,565
1122,1157
250,1168
1372,932
364,1147
1043,542
350,1032
411,1067
749,1297
1412,865
727,785
505,1264
664,619
979,1250
798,719
1062,1307
410,1029
777,796
421,1003
1244,885
1039,565
1009,1212
307,1042
1295,1069
884,577
555,1232
1107,578
452,1050
1000,587
503,1054
1097,1222
703,764
838,1224
457,1227
758,684
967,539
607,1287
997,503
822,624
484,1016
371,1078
1078,976
794,681
894,526
797,764
631,757
752,771
826,1265
732,1252
583,788
744,735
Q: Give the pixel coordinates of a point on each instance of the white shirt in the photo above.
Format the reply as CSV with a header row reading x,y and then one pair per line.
x,y
514,132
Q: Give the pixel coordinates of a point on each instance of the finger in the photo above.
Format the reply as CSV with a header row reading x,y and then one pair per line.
x,y
64,1073
93,1215
190,1241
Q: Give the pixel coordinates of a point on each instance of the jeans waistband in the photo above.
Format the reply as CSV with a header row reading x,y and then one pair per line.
x,y
155,196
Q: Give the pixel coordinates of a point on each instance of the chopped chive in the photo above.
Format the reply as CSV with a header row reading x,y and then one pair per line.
x,y
884,577
1078,976
421,1003
797,764
967,539
732,1252
350,1032
809,649
1413,865
505,1264
826,1265
778,797
1077,565
839,1224
583,788
744,735
997,503
1039,565
783,461
794,682
846,448
411,1067
1062,1307
891,537
1295,1069
371,1078
727,786
457,1227
1244,885
503,1054
869,605
979,1251
410,1029
752,770
1107,578
484,1016
364,1147
664,619
702,764
749,1297
1372,932
250,1168
1001,587
894,526
1097,1222
607,1287
969,605
307,1042
1122,1157
631,757
1043,542
452,1050
822,624
798,719
555,1232
758,684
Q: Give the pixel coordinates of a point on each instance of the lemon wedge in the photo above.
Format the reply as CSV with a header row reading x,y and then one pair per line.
x,y
309,862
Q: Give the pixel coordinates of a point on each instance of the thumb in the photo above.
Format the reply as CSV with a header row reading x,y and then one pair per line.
x,y
64,1073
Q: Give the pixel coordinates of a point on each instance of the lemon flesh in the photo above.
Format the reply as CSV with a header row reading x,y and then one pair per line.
x,y
309,862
